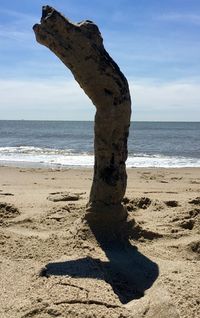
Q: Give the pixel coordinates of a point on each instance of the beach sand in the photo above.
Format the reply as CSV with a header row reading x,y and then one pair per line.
x,y
49,269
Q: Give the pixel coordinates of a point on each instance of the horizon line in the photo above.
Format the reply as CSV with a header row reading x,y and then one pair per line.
x,y
132,121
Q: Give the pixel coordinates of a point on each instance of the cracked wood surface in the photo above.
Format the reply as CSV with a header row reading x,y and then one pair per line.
x,y
80,47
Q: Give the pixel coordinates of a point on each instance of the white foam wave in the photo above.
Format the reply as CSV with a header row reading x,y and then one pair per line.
x,y
33,150
35,156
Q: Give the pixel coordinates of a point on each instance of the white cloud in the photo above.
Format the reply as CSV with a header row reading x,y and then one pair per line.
x,y
178,101
65,100
62,100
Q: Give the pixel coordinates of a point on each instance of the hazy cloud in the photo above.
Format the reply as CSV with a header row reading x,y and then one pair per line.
x,y
178,101
180,17
65,100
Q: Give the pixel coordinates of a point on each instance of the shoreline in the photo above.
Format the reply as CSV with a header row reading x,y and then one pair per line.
x,y
89,168
37,165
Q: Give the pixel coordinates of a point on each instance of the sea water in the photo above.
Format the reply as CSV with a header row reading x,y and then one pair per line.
x,y
70,143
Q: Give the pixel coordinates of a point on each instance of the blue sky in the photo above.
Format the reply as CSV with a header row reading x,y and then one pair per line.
x,y
156,44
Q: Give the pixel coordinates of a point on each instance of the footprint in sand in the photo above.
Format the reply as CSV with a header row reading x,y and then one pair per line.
x,y
195,182
190,220
194,247
195,201
171,203
137,203
187,224
8,211
194,213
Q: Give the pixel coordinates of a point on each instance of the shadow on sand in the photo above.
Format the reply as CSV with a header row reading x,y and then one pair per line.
x,y
128,271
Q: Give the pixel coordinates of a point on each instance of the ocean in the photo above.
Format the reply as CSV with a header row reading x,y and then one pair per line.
x,y
70,144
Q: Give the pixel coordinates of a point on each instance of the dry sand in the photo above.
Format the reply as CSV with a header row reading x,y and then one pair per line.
x,y
49,269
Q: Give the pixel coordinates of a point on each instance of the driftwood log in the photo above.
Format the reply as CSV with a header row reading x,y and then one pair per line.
x,y
80,47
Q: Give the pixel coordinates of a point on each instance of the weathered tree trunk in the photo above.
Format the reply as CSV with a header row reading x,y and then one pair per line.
x,y
80,47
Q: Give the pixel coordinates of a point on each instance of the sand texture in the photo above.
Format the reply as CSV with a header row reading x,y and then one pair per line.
x,y
51,264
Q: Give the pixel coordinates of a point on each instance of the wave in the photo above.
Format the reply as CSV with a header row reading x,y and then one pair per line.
x,y
33,150
35,156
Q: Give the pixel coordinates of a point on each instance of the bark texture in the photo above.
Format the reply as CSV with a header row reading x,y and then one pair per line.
x,y
80,47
